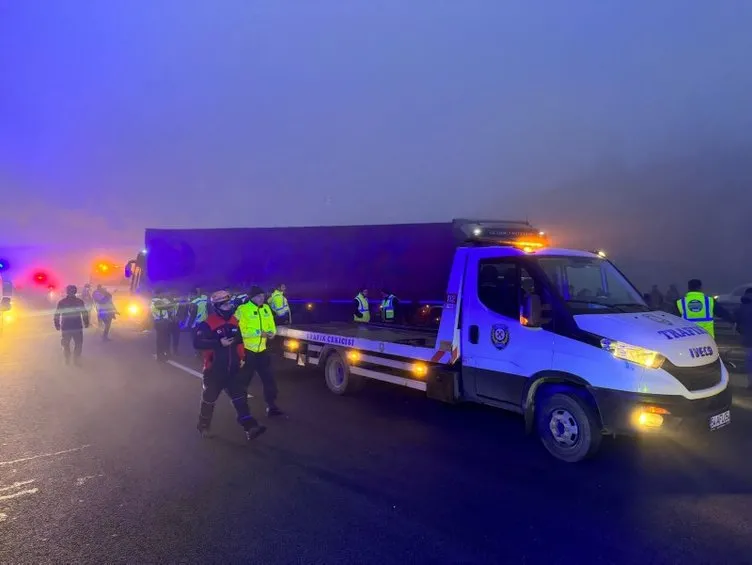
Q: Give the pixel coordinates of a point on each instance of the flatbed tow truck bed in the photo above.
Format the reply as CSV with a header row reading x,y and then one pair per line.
x,y
406,335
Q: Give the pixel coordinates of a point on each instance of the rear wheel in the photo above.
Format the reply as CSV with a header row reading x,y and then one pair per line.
x,y
338,377
568,427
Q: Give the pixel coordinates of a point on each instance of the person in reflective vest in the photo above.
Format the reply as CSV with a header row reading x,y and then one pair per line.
x,y
200,305
362,312
162,312
220,342
256,322
697,307
389,304
280,306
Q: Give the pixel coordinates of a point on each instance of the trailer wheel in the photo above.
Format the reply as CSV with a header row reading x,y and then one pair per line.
x,y
568,427
338,377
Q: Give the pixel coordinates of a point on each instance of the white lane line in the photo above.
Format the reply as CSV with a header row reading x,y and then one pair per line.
x,y
19,493
24,459
3,517
190,371
82,480
16,485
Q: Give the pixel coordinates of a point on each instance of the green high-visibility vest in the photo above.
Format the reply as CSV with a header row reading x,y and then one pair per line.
x,y
698,308
387,308
363,309
279,304
253,321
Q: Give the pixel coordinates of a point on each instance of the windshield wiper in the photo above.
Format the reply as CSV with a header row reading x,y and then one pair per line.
x,y
643,307
604,305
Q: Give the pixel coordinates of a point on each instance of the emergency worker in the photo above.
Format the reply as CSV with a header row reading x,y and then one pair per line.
x,y
162,309
71,317
361,309
220,341
106,311
389,306
697,307
280,306
256,322
174,322
200,305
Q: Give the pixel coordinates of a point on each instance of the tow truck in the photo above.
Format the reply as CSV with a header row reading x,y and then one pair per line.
x,y
559,336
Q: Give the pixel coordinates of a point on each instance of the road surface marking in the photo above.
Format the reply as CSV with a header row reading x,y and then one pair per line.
x,y
81,480
16,485
24,459
190,371
3,517
19,493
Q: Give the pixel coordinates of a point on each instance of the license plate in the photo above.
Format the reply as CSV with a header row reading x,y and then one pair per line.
x,y
720,420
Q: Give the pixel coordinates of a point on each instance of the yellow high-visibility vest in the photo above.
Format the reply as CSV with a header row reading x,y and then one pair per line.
x,y
279,304
363,309
253,321
387,308
698,308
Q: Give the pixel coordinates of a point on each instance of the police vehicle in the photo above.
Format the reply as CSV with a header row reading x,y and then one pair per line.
x,y
559,336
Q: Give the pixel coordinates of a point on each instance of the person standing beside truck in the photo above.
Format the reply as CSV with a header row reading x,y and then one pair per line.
x,y
361,309
744,327
71,318
389,307
280,306
698,307
219,340
256,322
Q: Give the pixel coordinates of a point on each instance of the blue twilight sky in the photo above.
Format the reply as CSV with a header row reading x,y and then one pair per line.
x,y
588,117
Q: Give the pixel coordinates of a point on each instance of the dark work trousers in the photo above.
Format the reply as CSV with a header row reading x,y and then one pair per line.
x,y
261,363
174,336
234,386
105,322
162,331
77,337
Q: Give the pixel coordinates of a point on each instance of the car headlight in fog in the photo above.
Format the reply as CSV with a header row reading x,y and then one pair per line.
x,y
634,353
134,310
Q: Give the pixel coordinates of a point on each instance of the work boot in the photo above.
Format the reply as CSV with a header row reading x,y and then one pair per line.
x,y
204,432
254,431
274,411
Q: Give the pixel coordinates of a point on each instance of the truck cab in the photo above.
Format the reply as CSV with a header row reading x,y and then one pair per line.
x,y
564,338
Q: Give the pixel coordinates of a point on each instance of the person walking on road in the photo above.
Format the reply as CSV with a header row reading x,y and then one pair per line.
x,y
744,327
71,318
161,313
220,341
256,322
106,311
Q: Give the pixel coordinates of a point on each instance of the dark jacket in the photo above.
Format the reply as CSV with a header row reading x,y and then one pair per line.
x,y
71,314
207,339
744,321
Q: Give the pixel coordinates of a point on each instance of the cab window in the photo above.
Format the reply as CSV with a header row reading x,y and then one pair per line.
x,y
504,284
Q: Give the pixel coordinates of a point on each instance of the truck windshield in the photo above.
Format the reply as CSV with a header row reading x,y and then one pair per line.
x,y
591,285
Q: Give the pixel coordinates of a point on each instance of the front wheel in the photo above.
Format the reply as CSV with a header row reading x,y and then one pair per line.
x,y
568,427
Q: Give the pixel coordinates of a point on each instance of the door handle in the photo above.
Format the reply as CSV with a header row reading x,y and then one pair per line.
x,y
473,334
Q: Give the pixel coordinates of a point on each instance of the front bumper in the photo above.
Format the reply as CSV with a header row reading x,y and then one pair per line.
x,y
617,410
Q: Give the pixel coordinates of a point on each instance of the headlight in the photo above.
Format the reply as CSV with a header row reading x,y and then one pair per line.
x,y
633,353
134,309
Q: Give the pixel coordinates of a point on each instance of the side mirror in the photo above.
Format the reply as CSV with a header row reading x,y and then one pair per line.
x,y
5,304
530,312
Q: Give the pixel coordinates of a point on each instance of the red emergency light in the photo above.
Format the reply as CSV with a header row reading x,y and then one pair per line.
x,y
40,278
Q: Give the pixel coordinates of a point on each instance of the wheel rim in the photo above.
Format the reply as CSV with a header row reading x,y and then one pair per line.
x,y
564,428
336,374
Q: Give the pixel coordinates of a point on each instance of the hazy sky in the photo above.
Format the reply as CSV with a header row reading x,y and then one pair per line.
x,y
118,114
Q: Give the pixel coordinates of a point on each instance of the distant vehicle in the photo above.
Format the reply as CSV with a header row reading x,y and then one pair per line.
x,y
733,300
6,295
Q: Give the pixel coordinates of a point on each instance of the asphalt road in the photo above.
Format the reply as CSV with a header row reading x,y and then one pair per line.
x,y
102,464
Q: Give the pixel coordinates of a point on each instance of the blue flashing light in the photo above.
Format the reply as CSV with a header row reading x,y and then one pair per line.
x,y
4,265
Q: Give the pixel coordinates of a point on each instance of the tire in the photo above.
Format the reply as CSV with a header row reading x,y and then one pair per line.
x,y
568,427
338,377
